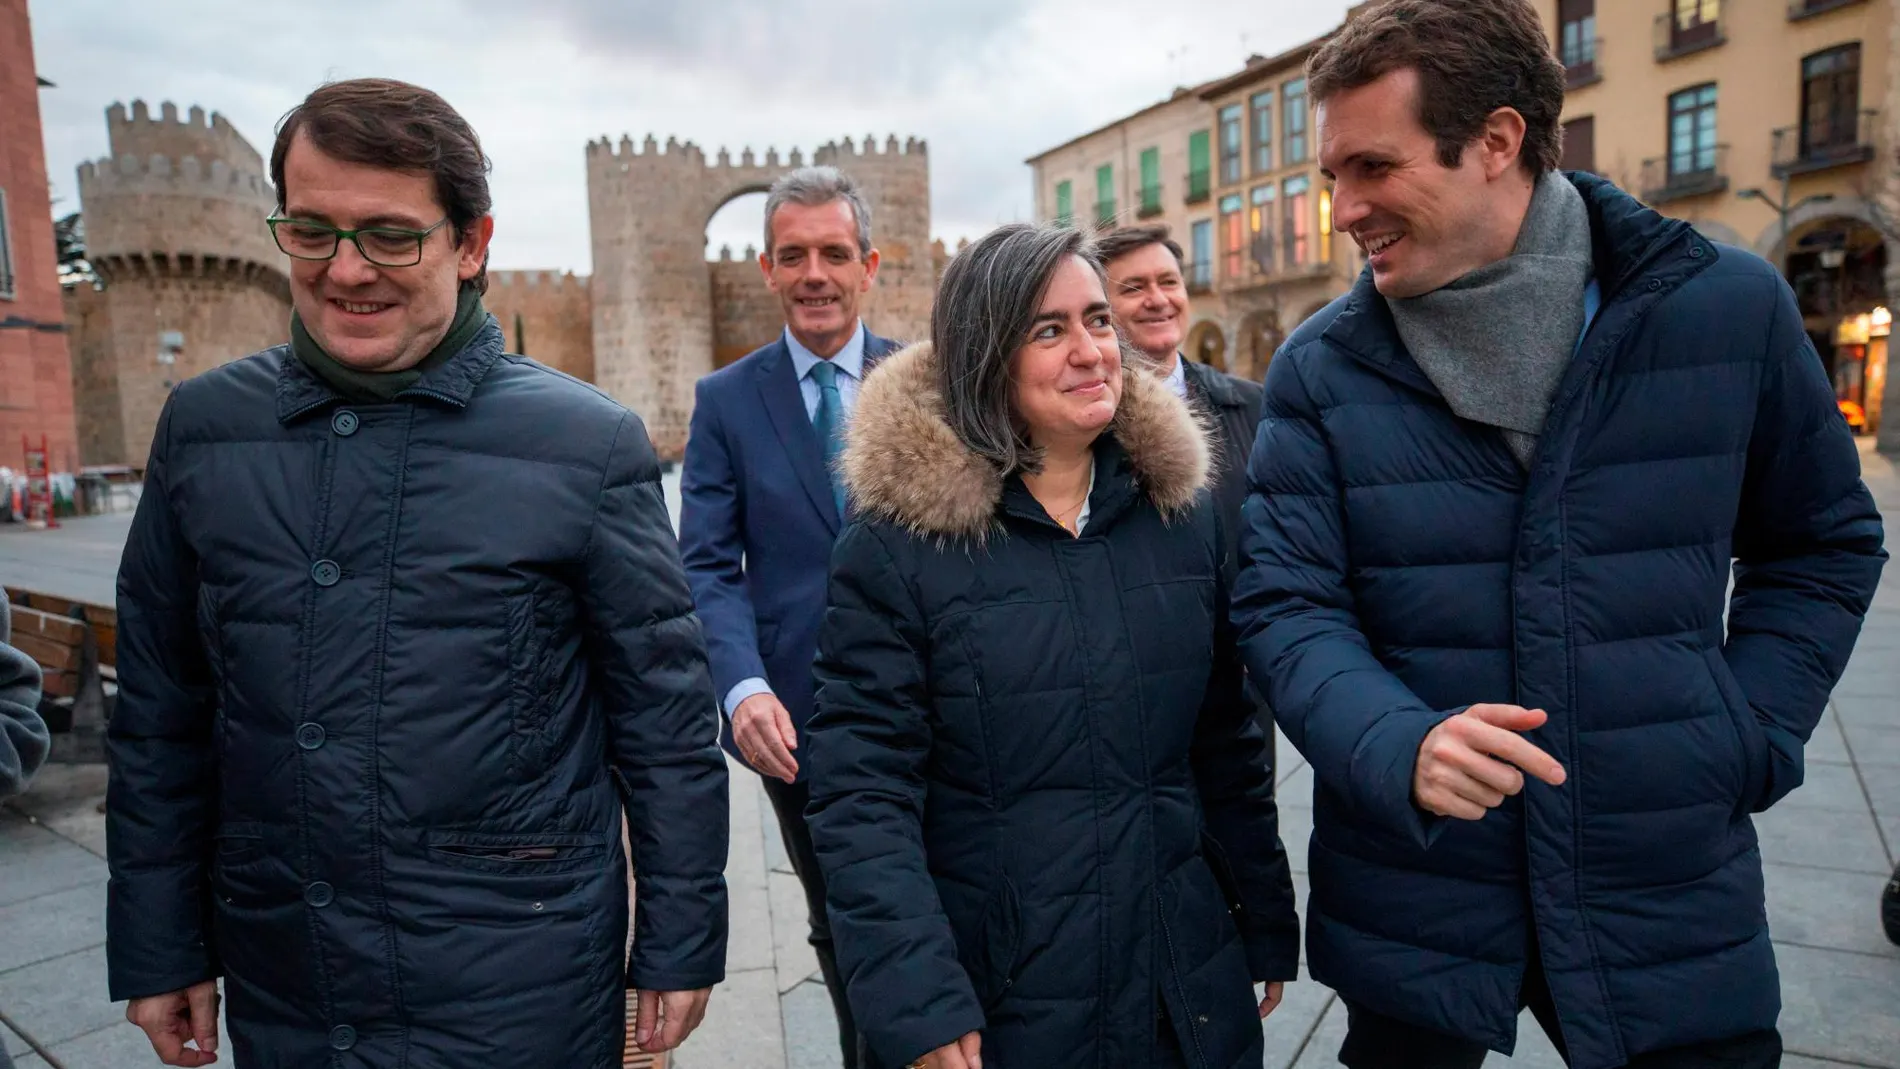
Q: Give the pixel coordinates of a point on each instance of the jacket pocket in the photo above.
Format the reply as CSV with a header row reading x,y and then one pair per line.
x,y
1002,945
239,844
1750,740
1223,871
516,853
533,619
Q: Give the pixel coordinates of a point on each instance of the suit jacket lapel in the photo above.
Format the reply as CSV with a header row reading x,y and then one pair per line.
x,y
778,388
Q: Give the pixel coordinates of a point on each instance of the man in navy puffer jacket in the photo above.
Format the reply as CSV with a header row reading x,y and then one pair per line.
x,y
1495,497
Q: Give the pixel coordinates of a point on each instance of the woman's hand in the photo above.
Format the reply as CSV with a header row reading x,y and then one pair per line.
x,y
963,1054
1272,999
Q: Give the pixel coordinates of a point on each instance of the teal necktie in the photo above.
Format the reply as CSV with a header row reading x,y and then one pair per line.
x,y
829,422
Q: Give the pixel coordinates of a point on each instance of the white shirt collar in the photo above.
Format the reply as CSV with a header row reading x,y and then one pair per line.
x,y
849,360
1177,380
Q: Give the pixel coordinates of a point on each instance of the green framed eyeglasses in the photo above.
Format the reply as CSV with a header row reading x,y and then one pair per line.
x,y
384,246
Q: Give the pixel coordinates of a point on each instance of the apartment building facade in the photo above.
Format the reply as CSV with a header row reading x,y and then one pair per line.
x,y
1765,123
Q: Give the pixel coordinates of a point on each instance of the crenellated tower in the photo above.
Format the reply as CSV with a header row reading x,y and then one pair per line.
x,y
653,292
189,276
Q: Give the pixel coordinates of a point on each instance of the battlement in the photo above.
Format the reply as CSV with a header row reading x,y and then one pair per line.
x,y
208,138
548,281
164,175
837,153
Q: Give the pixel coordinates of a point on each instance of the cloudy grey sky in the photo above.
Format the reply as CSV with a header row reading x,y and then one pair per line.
x,y
987,82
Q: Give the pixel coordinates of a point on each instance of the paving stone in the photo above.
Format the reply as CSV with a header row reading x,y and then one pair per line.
x,y
38,862
1825,785
64,799
1864,711
60,999
791,931
1322,1047
1826,745
741,1029
749,940
1839,1005
1289,1031
1832,910
1874,746
1296,787
1822,838
1296,830
29,1061
46,927
811,1028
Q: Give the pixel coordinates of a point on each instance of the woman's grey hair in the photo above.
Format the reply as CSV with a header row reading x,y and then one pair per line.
x,y
985,307
812,186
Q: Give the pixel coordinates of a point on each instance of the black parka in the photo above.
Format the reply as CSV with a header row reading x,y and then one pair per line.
x,y
388,672
1040,803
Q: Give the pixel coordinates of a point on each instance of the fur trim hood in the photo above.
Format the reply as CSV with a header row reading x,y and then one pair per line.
x,y
902,462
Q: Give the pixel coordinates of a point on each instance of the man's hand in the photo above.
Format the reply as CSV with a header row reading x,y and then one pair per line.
x,y
666,1018
762,730
965,1053
1465,765
1272,1000
171,1021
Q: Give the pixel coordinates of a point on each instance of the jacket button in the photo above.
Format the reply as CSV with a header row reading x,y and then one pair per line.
x,y
344,423
1695,253
319,894
310,736
325,572
1202,1018
342,1037
1655,284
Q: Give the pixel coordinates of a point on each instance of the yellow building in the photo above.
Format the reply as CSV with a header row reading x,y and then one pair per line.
x,y
1760,121
1154,166
1230,167
1277,258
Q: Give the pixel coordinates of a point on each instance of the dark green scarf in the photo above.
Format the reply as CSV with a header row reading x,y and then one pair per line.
x,y
369,387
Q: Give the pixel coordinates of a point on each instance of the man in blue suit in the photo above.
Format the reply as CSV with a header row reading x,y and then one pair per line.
x,y
762,503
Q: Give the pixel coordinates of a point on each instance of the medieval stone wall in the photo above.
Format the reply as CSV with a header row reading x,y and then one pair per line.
x,y
545,315
653,295
100,415
746,315
175,229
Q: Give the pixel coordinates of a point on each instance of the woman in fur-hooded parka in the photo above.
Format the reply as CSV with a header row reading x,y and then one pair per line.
x,y
1042,809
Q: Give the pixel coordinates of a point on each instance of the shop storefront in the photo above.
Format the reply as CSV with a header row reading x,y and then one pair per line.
x,y
1837,269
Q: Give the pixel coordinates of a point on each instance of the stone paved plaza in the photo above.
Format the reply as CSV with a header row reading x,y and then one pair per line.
x,y
1828,850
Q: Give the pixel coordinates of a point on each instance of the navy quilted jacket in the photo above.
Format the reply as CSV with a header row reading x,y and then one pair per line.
x,y
389,671
1402,566
1041,803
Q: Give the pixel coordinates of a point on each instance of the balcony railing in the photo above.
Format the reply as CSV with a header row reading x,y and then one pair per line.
x,y
1839,141
1691,174
1674,39
1200,276
1582,65
1198,186
1807,9
1105,213
1150,201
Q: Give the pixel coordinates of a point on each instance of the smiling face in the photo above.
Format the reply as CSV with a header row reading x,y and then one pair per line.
x,y
818,271
1421,224
1150,301
1067,377
367,317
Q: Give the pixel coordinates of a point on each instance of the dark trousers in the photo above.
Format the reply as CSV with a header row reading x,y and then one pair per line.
x,y
788,802
1374,1041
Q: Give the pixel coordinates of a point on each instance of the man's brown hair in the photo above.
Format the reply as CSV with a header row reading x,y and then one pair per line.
x,y
1118,243
381,122
1472,58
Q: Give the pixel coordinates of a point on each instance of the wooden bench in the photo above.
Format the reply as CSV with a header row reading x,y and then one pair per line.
x,y
75,645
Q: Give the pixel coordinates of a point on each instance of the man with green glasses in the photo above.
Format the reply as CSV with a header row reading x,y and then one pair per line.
x,y
403,634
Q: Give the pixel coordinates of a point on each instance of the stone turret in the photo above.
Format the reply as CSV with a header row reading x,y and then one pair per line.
x,y
189,275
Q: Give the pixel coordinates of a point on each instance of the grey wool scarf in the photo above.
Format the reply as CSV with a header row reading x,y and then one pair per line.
x,y
1496,341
